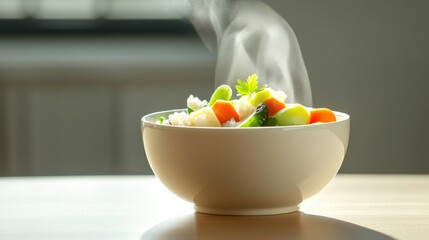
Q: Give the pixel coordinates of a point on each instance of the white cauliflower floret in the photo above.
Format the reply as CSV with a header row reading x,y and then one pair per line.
x,y
278,94
195,103
244,108
231,123
180,119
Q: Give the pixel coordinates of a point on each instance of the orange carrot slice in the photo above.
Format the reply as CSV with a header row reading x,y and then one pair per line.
x,y
274,106
322,115
225,111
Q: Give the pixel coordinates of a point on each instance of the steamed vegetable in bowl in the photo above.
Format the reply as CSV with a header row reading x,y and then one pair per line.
x,y
257,106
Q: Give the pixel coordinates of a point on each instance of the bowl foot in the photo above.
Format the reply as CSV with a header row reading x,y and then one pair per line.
x,y
248,212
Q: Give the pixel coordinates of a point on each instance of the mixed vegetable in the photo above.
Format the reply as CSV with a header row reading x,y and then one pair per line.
x,y
257,106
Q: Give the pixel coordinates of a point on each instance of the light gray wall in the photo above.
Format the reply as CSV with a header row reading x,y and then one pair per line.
x,y
366,58
370,59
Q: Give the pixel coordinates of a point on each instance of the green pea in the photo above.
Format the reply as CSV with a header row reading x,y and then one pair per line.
x,y
223,92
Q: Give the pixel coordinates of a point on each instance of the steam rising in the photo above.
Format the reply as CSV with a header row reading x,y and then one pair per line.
x,y
250,37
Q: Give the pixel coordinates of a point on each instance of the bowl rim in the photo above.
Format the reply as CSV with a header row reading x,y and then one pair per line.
x,y
147,122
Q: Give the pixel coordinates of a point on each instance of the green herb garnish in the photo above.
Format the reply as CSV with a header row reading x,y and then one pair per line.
x,y
251,85
161,120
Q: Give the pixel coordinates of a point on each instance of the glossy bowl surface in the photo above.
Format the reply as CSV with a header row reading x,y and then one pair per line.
x,y
245,171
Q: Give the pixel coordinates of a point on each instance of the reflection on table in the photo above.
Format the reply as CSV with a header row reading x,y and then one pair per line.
x,y
296,225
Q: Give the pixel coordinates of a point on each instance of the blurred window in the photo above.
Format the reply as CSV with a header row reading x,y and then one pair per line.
x,y
93,15
64,9
11,9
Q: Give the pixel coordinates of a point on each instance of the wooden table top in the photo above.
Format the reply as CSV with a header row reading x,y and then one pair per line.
x,y
140,207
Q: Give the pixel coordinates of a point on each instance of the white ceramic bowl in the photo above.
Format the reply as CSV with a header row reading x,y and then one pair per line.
x,y
245,171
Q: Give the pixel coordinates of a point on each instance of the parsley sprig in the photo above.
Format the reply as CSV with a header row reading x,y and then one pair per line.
x,y
251,85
